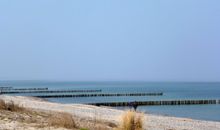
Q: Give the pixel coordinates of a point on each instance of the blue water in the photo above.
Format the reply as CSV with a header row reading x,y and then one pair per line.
x,y
171,90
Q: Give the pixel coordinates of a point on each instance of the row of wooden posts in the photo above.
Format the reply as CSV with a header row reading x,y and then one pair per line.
x,y
100,95
48,91
162,102
11,90
5,88
20,89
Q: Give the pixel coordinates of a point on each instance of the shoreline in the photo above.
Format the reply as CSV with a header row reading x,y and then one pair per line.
x,y
151,121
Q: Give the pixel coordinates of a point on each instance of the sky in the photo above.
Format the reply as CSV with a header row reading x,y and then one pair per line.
x,y
110,40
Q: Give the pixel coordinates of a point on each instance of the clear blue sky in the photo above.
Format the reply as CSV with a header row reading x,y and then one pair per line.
x,y
110,40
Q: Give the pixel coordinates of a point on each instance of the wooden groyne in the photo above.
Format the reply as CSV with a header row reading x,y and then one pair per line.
x,y
151,103
5,88
24,89
99,95
49,91
20,89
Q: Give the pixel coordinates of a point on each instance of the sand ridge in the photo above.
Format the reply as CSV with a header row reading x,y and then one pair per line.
x,y
151,122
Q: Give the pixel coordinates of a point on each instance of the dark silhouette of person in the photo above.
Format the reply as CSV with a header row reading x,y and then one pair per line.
x,y
130,104
135,105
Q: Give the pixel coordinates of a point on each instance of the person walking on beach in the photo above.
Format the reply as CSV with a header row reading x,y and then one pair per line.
x,y
130,105
135,105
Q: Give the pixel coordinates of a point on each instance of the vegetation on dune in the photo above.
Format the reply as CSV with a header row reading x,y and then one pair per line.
x,y
84,129
131,121
55,119
49,119
62,119
10,106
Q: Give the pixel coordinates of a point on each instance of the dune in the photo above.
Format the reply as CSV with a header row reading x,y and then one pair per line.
x,y
107,116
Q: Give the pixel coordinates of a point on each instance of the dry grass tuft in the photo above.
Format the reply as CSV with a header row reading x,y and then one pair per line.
x,y
2,105
131,121
55,119
62,119
10,106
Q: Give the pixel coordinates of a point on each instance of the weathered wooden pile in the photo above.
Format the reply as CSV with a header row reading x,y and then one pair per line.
x,y
97,93
47,91
162,102
100,95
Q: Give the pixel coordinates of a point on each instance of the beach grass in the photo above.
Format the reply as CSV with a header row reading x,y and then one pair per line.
x,y
54,119
131,120
62,119
10,106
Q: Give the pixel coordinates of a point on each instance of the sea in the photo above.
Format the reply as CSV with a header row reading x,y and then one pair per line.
x,y
171,90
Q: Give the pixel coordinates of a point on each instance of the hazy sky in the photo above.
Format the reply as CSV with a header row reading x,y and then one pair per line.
x,y
105,40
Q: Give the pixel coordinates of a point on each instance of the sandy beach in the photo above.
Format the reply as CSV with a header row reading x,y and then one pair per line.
x,y
108,115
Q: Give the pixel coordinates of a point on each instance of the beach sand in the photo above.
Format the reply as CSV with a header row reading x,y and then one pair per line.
x,y
104,115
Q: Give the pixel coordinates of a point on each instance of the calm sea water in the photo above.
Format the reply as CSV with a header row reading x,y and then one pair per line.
x,y
171,90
